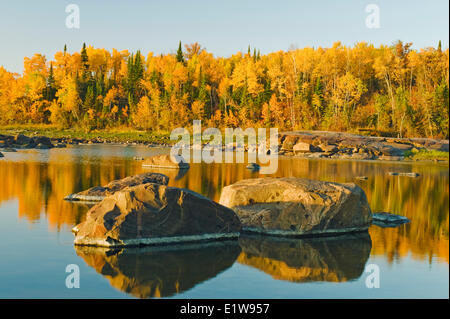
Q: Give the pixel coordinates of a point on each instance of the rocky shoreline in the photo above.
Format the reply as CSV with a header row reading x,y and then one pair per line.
x,y
350,146
305,144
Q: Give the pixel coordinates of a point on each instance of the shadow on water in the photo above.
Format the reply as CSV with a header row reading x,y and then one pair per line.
x,y
164,271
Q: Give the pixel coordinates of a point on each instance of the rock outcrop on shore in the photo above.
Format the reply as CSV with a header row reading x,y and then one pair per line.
x,y
155,214
318,144
21,141
98,193
307,144
297,206
166,161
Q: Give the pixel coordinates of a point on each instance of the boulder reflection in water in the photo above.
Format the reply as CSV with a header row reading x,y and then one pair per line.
x,y
160,271
332,259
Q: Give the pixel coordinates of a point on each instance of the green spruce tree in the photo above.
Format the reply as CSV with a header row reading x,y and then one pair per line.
x,y
180,57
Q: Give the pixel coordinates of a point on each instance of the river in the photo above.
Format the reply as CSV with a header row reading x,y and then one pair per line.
x,y
36,243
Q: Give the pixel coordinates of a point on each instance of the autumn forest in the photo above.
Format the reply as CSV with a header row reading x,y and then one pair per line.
x,y
390,88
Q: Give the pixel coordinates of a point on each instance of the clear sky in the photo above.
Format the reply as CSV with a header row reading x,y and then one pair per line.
x,y
224,27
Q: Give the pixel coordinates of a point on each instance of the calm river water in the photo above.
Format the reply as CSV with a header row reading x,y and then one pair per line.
x,y
36,244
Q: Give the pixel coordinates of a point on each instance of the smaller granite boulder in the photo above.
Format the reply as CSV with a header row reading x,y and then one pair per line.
x,y
166,161
1,155
98,193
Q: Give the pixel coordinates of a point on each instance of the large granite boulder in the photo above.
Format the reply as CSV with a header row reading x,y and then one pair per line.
x,y
162,271
155,214
297,206
166,161
98,193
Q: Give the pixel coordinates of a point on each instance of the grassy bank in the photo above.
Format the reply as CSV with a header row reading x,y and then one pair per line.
x,y
426,155
120,134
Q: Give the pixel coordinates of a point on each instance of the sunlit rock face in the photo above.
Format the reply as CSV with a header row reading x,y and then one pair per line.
x,y
152,214
98,193
297,206
331,259
166,161
160,271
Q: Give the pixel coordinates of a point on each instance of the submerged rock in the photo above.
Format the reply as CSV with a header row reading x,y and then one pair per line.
x,y
98,193
297,206
166,161
383,219
155,214
149,272
412,174
253,167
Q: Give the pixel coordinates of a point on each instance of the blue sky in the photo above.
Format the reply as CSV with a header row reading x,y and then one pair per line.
x,y
223,27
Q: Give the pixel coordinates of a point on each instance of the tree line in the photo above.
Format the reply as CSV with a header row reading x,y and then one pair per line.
x,y
390,88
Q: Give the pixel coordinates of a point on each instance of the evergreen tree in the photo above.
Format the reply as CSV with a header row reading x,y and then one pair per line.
x,y
50,90
180,57
135,72
84,64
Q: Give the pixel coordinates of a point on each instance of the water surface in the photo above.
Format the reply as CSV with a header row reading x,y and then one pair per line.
x,y
36,243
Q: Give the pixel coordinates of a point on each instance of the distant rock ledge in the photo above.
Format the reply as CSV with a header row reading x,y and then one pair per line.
x,y
336,145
